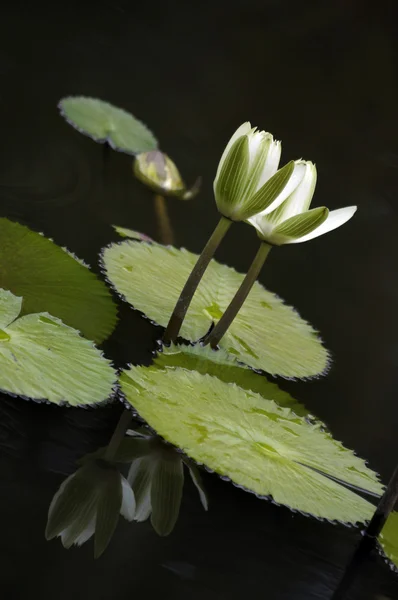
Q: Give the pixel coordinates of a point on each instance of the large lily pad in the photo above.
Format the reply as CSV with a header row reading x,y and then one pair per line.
x,y
52,280
43,359
388,539
260,446
266,333
219,363
106,123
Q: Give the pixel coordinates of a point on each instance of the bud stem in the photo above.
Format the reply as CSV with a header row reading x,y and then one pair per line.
x,y
237,302
166,234
118,434
183,302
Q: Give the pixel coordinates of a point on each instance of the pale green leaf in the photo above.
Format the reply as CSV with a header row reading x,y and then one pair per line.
x,y
388,539
51,280
266,334
219,363
166,492
10,307
43,359
232,180
74,504
108,509
260,446
266,195
106,123
299,225
131,234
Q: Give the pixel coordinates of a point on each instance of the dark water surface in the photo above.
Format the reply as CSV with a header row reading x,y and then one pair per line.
x,y
323,78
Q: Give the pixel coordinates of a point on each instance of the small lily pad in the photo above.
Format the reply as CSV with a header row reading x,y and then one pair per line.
x,y
258,445
219,363
388,539
106,123
43,359
266,334
51,280
131,234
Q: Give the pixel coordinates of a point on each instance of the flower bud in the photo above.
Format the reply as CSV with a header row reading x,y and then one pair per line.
x,y
156,170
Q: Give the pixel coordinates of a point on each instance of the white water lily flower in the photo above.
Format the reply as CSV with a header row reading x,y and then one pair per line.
x,y
291,221
89,502
247,180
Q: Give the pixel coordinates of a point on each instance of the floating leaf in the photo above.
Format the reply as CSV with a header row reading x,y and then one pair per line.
x,y
388,539
51,280
130,233
266,333
260,446
219,363
43,359
106,123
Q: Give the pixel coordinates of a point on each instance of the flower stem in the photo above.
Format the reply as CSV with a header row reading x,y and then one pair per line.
x,y
237,302
165,229
118,434
183,302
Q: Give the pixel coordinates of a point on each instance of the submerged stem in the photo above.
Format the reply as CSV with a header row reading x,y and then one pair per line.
x,y
369,537
166,233
183,302
384,508
237,302
118,434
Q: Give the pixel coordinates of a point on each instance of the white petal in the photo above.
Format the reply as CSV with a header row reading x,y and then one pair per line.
x,y
140,477
294,180
271,163
242,130
127,509
335,219
145,506
256,141
299,201
263,225
87,533
82,538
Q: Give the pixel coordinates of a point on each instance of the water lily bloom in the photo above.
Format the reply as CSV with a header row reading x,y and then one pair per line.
x,y
157,478
291,221
89,502
247,180
156,170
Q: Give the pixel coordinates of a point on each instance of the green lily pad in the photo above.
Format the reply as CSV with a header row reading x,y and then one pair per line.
x,y
219,363
106,123
258,445
43,359
266,334
388,539
52,280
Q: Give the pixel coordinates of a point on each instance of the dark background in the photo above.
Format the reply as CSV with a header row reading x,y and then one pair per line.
x,y
321,76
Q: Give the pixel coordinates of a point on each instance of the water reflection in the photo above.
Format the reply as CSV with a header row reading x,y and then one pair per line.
x,y
343,88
